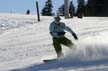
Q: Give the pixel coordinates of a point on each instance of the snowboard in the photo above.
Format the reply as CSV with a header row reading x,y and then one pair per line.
x,y
49,60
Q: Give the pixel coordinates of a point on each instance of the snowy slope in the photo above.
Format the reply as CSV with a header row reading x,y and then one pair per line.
x,y
24,43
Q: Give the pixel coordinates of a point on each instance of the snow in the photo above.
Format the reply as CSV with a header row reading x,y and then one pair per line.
x,y
25,42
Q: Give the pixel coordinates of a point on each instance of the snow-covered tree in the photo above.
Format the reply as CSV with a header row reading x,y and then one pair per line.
x,y
47,10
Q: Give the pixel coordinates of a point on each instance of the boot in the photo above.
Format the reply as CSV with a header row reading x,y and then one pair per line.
x,y
60,55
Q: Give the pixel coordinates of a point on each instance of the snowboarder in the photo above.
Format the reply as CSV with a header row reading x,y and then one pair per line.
x,y
57,31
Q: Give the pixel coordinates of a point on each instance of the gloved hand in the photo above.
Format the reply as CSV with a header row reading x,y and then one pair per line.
x,y
75,36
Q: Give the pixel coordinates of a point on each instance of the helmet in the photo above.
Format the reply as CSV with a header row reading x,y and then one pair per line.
x,y
57,18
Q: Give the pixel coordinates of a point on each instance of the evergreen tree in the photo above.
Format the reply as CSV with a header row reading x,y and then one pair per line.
x,y
71,9
100,8
97,8
89,8
61,10
80,10
47,10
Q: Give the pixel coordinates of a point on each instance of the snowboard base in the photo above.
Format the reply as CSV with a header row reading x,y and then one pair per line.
x,y
49,60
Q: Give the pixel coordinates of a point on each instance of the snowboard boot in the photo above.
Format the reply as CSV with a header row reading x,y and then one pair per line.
x,y
60,55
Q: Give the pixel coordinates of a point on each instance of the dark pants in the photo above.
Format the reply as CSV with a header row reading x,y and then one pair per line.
x,y
62,40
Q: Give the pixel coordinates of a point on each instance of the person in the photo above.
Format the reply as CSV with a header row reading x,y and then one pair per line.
x,y
28,12
57,31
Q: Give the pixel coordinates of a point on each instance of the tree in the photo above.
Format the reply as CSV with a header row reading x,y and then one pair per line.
x,y
61,10
80,10
47,10
97,8
71,9
90,8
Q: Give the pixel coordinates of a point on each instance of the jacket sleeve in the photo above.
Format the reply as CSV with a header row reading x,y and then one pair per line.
x,y
71,31
68,29
52,32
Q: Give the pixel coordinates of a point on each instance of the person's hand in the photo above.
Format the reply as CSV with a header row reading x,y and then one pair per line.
x,y
75,36
53,34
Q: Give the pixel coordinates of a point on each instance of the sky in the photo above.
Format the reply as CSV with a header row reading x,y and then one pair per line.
x,y
21,6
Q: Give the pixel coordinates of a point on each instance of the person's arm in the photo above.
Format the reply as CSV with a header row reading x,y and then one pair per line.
x,y
71,31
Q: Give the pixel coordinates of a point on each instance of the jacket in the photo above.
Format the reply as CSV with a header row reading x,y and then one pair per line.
x,y
58,30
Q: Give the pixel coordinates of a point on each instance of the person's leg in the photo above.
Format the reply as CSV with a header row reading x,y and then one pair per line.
x,y
65,41
57,47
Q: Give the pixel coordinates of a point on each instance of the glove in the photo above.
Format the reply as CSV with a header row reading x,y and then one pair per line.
x,y
75,36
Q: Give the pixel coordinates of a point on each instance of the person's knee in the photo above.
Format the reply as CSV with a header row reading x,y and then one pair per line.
x,y
70,44
57,46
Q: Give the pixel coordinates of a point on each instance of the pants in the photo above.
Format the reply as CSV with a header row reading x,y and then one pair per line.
x,y
62,40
